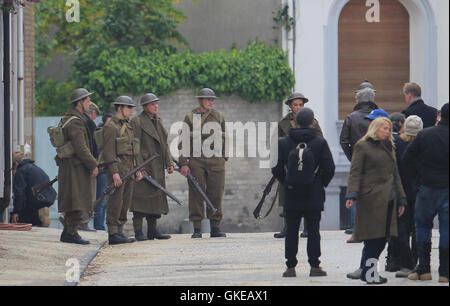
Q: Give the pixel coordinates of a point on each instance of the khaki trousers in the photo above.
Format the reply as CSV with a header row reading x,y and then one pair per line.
x,y
118,205
210,174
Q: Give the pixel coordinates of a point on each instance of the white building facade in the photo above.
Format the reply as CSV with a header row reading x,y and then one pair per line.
x,y
324,62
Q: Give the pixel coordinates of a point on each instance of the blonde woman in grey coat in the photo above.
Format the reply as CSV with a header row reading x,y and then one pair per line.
x,y
374,184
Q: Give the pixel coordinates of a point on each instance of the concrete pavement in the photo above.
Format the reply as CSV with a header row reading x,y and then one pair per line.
x,y
37,257
238,260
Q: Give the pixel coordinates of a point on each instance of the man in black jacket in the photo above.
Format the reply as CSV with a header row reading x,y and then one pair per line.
x,y
430,152
417,106
305,201
27,175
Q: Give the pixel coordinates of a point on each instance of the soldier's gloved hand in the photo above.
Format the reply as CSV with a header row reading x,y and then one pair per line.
x,y
170,169
95,172
185,170
117,180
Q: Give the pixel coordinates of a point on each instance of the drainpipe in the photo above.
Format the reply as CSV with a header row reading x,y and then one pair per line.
x,y
290,37
7,111
20,79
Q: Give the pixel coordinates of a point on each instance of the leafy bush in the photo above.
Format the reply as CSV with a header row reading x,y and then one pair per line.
x,y
52,97
257,74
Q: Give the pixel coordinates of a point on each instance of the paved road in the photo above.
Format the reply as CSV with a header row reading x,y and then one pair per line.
x,y
37,258
238,260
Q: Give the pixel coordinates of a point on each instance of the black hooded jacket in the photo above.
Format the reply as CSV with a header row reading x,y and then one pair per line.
x,y
301,198
428,155
27,176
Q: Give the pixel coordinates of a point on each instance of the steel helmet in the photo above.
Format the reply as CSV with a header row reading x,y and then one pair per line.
x,y
206,93
79,94
295,96
124,100
148,98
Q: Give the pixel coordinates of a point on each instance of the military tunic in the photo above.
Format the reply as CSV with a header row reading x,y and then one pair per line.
x,y
209,172
76,184
119,141
147,199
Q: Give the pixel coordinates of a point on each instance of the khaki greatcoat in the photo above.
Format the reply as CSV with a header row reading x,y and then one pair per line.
x,y
373,181
76,185
147,198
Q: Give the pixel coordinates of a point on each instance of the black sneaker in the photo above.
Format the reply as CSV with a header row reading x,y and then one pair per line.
x,y
281,234
380,281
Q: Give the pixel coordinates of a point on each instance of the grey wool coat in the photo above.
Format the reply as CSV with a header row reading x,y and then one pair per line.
x,y
148,199
76,189
374,182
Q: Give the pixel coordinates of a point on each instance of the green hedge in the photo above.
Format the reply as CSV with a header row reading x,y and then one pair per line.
x,y
257,74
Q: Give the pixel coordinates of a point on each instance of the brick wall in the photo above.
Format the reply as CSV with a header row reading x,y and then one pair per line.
x,y
245,180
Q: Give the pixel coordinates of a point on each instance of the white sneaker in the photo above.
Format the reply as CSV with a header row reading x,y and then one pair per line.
x,y
355,275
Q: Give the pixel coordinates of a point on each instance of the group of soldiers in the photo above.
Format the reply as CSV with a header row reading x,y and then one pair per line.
x,y
125,144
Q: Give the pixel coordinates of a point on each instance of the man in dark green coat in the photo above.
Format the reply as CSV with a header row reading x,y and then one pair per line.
x,y
148,201
77,167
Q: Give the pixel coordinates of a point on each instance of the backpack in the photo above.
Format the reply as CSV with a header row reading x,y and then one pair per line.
x,y
301,165
45,199
64,149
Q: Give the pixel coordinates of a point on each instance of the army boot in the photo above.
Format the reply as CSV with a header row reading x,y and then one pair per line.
x,y
216,233
130,240
72,238
114,237
423,270
153,233
281,234
443,265
137,226
197,233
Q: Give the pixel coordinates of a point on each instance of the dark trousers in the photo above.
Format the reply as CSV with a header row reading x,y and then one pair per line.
x,y
293,219
29,215
372,250
399,249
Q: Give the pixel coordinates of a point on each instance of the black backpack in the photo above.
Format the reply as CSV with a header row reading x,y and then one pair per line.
x,y
301,165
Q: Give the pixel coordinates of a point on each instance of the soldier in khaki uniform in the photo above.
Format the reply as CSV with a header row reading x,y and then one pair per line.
x,y
119,141
77,168
296,102
148,201
209,171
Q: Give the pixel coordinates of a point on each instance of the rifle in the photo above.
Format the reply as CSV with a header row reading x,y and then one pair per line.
x,y
192,181
257,211
152,181
111,188
39,188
